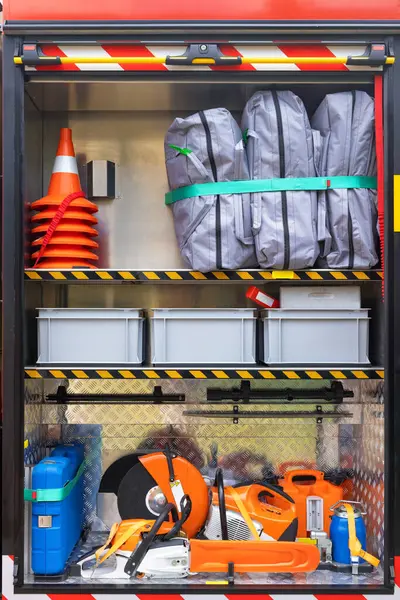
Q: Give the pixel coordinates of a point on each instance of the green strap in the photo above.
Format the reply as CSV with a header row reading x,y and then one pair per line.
x,y
184,151
57,494
271,185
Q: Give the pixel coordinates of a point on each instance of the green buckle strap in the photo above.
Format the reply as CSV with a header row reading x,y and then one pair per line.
x,y
295,184
57,494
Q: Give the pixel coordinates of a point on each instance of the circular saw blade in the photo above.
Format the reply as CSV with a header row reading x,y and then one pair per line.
x,y
115,473
132,493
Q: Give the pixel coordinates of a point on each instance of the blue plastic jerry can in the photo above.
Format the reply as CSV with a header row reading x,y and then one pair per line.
x,y
339,534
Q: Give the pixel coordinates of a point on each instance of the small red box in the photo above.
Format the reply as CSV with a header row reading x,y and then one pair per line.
x,y
261,298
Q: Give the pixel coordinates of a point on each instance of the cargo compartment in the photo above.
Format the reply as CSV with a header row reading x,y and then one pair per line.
x,y
133,353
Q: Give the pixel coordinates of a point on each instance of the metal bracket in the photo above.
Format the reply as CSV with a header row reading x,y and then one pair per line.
x,y
231,573
32,55
391,570
206,54
15,570
374,56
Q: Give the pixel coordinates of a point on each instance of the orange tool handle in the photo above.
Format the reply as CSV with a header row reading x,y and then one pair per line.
x,y
311,473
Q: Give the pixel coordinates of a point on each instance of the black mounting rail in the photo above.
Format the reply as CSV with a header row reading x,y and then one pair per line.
x,y
375,55
157,397
244,394
236,414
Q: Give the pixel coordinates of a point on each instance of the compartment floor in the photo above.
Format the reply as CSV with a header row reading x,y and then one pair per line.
x,y
323,578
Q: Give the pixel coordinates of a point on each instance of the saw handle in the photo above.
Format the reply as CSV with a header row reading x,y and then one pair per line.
x,y
186,509
169,457
138,554
219,484
275,492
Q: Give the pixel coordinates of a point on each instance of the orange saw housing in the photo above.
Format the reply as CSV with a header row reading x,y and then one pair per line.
x,y
271,509
192,484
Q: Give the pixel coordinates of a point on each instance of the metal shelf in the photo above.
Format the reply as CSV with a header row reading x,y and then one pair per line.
x,y
198,373
108,275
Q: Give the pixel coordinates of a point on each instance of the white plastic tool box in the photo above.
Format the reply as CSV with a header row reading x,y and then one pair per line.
x,y
312,336
83,336
202,336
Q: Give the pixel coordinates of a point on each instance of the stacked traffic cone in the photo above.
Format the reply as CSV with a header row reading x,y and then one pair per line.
x,y
63,224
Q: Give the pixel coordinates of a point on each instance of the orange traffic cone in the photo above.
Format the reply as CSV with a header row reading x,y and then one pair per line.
x,y
64,216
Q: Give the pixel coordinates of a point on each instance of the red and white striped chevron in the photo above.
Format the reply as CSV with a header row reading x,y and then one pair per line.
x,y
8,592
267,50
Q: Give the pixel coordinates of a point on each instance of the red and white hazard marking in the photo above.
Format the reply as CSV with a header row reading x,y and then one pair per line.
x,y
8,592
260,51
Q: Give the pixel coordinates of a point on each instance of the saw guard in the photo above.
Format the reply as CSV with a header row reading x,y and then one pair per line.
x,y
213,556
276,515
192,483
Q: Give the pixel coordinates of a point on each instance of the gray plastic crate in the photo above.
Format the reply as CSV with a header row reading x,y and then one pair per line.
x,y
315,337
203,336
86,336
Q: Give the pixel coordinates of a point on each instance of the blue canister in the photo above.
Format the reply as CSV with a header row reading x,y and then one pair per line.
x,y
339,534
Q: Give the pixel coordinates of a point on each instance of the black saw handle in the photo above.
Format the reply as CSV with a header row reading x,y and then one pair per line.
x,y
138,554
186,509
219,483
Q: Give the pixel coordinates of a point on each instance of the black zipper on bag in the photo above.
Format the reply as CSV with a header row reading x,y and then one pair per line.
x,y
286,237
213,166
349,220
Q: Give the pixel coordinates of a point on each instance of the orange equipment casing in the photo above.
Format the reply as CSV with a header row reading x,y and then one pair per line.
x,y
213,556
313,484
275,513
192,483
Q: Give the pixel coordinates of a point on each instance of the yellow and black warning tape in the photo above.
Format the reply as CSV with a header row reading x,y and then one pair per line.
x,y
88,275
251,373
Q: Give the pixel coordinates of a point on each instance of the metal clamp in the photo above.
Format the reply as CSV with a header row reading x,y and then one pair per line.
x,y
374,56
32,55
362,511
203,54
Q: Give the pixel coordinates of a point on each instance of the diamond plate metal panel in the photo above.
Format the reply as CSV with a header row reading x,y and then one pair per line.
x,y
369,468
34,430
90,437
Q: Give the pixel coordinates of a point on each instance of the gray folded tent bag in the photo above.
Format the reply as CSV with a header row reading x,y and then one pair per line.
x,y
213,232
347,221
281,144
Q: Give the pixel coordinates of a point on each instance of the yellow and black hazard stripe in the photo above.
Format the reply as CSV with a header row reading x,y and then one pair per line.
x,y
186,275
260,374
